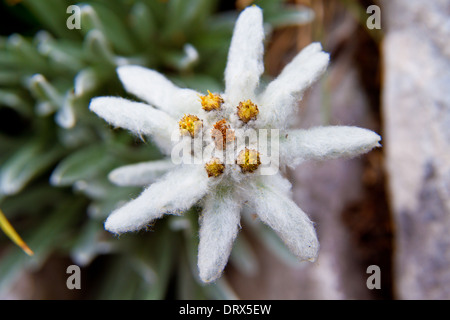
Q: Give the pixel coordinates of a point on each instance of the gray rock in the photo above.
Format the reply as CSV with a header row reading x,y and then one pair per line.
x,y
416,111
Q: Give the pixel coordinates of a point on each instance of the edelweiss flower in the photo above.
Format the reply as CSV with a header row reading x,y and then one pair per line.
x,y
227,168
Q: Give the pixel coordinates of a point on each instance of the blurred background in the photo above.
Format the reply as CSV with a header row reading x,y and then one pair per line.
x,y
389,72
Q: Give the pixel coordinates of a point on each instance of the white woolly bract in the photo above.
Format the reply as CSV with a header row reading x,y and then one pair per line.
x,y
219,225
157,90
245,57
268,195
272,205
321,143
139,118
175,193
281,96
140,174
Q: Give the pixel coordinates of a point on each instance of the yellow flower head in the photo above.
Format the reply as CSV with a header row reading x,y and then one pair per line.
x,y
190,124
247,111
211,101
214,168
248,160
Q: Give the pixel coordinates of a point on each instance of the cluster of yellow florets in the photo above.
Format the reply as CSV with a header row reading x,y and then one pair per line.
x,y
247,111
248,160
211,101
214,168
190,124
222,134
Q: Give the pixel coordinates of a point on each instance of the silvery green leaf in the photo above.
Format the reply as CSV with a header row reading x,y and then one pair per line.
x,y
8,59
10,77
90,244
144,269
62,53
41,196
269,5
80,165
243,257
78,136
45,108
95,188
88,80
142,22
29,161
158,8
187,287
100,209
185,16
101,17
290,16
44,90
26,53
191,241
104,195
119,281
185,13
164,256
223,22
52,14
182,60
14,99
98,48
65,117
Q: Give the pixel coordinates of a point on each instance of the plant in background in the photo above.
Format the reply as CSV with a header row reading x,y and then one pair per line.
x,y
223,181
55,155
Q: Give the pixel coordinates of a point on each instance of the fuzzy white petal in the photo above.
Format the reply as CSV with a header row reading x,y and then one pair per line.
x,y
175,193
140,174
280,98
157,90
331,142
140,118
278,211
219,225
245,57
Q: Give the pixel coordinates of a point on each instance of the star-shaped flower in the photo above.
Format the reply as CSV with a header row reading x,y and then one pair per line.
x,y
227,164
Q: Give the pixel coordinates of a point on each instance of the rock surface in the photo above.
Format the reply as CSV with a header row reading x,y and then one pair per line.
x,y
416,111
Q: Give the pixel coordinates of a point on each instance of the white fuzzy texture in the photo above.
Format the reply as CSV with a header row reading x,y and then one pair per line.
x,y
281,96
219,226
270,196
245,57
157,90
140,118
140,174
175,193
322,143
275,208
